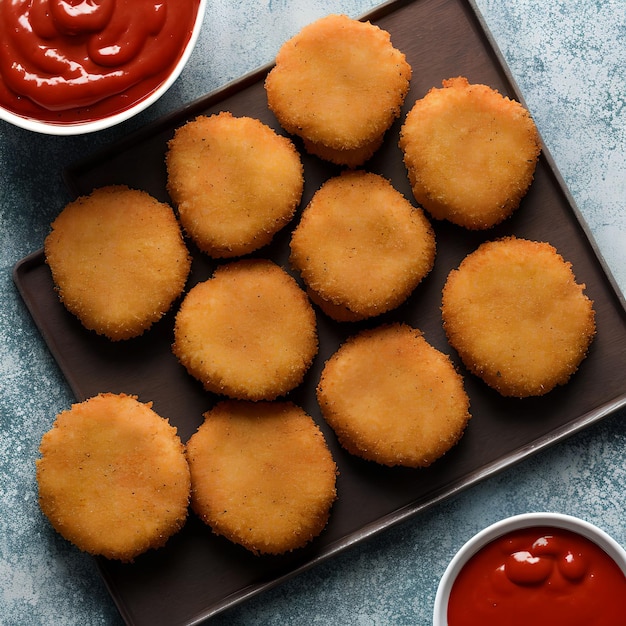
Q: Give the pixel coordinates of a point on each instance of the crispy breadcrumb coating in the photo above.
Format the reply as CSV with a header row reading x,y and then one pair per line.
x,y
393,398
517,317
470,153
113,478
379,249
338,84
118,260
249,332
235,182
262,475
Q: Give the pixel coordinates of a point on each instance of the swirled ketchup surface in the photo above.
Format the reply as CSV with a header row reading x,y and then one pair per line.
x,y
539,577
70,61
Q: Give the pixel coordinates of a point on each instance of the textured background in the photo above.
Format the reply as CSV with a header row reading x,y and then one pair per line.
x,y
569,60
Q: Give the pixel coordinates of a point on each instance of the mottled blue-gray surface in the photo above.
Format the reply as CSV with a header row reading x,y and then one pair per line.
x,y
569,60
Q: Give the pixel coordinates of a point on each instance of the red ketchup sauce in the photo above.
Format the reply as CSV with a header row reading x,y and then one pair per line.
x,y
72,61
539,577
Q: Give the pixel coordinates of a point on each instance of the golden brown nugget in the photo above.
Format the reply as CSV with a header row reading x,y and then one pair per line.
x,y
118,260
470,153
113,477
249,332
517,317
339,84
262,475
235,182
393,398
361,247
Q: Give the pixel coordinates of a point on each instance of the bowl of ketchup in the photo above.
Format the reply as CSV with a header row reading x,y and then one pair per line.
x,y
535,569
70,67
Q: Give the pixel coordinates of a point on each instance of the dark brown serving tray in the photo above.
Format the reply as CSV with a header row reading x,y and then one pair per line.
x,y
198,574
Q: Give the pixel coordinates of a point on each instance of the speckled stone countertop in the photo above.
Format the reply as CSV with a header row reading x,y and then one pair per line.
x,y
568,58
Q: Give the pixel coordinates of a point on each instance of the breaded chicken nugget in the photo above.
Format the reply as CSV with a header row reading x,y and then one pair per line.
x,y
361,247
517,317
235,182
393,398
118,260
113,477
262,475
248,332
470,153
339,84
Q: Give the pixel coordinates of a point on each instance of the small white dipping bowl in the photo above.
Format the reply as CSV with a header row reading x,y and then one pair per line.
x,y
517,522
91,126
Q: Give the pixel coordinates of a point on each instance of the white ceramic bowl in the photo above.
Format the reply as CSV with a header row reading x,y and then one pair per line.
x,y
106,122
517,522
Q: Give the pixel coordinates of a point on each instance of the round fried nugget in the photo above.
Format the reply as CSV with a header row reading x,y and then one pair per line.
x,y
339,84
262,475
393,398
113,477
470,153
380,247
118,260
249,332
235,182
517,317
